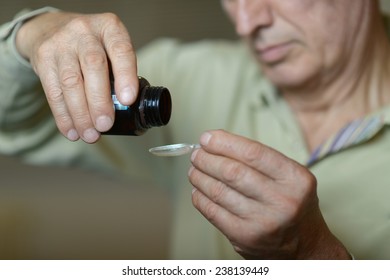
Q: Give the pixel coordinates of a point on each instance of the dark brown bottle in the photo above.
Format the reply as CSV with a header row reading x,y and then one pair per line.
x,y
151,109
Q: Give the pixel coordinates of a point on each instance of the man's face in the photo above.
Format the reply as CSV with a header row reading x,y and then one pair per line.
x,y
296,41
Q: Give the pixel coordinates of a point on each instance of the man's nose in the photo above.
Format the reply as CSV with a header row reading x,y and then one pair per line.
x,y
251,15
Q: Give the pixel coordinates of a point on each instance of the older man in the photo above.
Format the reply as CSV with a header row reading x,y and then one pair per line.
x,y
299,170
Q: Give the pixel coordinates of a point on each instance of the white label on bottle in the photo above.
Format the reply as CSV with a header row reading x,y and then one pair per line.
x,y
117,105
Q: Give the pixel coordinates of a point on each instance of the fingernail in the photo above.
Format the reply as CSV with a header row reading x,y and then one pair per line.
x,y
194,190
90,135
190,171
193,155
73,135
103,123
127,95
205,138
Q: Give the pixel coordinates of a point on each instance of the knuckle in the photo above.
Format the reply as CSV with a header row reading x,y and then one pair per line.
x,y
218,191
94,59
70,80
254,152
62,118
113,24
121,48
233,172
111,18
207,208
309,185
63,121
307,181
80,24
210,211
54,95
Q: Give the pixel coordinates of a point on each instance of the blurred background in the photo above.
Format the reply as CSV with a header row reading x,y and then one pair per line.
x,y
52,213
145,19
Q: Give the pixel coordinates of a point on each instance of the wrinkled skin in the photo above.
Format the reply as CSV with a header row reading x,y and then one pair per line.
x,y
71,55
265,203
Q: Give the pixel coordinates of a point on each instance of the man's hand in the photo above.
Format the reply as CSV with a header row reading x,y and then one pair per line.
x,y
72,55
265,203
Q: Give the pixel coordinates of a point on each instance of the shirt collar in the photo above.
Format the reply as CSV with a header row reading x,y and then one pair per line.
x,y
354,133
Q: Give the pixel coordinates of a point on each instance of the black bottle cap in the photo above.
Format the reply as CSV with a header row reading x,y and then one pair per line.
x,y
156,106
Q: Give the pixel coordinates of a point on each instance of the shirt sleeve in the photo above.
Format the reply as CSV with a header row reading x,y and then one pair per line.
x,y
8,30
27,128
23,105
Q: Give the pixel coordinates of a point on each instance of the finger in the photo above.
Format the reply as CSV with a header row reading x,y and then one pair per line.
x,y
72,86
222,219
238,176
55,98
252,153
220,193
94,67
123,60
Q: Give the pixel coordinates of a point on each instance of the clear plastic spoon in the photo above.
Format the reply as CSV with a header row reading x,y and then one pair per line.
x,y
173,150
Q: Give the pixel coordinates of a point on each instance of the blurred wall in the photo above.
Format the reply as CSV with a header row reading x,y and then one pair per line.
x,y
53,213
385,5
145,19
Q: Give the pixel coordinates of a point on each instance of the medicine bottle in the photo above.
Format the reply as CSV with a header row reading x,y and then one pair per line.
x,y
151,109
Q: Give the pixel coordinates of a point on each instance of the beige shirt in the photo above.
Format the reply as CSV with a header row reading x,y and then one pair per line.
x,y
214,84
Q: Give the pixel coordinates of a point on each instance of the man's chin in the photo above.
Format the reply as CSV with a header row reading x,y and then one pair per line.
x,y
284,77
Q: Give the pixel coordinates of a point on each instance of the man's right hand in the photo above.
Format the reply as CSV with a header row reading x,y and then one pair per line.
x,y
72,54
